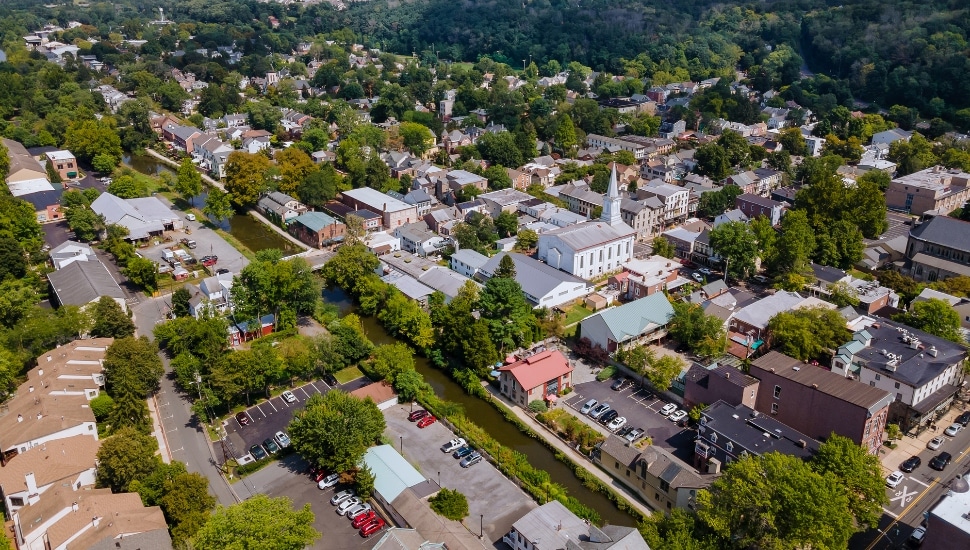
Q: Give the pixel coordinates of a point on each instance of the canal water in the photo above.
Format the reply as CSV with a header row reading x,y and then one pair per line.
x,y
489,418
250,232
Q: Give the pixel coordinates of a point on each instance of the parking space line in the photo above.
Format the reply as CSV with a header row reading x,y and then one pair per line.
x,y
891,514
314,384
302,389
260,410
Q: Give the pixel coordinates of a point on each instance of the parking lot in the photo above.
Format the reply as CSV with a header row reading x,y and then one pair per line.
x,y
490,494
273,415
208,242
289,478
641,409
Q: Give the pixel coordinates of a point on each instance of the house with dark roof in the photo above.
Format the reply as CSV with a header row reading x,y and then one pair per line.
x,y
922,371
706,385
538,377
728,432
790,387
659,478
280,207
317,229
754,206
938,249
83,283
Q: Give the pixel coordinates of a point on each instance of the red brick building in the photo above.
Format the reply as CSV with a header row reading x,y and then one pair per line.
x,y
541,376
722,383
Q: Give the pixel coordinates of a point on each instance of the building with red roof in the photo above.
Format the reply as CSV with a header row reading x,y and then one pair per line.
x,y
540,376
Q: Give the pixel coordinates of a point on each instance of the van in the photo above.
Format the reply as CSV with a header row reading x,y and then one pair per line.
x,y
190,243
589,406
190,217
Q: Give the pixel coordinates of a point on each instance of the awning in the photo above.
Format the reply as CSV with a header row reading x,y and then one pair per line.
x,y
510,359
552,398
935,400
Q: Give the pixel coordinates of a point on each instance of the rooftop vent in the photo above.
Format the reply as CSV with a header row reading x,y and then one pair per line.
x,y
932,351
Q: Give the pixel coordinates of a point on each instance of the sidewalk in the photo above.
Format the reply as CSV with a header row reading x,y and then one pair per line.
x,y
158,432
276,228
580,459
909,446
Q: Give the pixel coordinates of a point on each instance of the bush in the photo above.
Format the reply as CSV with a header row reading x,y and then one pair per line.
x,y
450,504
606,373
101,406
538,406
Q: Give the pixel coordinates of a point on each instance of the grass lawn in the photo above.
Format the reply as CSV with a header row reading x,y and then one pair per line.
x,y
348,374
860,274
577,313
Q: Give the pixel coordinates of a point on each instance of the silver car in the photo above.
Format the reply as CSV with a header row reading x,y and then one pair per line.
x,y
341,496
599,410
346,505
471,460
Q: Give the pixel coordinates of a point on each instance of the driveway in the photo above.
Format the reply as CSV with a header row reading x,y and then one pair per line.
x,y
289,478
268,417
641,409
493,500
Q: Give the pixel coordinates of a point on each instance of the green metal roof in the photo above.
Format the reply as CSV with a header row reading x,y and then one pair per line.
x,y
392,473
314,221
630,320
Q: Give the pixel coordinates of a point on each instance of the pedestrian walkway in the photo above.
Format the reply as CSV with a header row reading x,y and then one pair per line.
x,y
158,432
908,446
276,228
582,460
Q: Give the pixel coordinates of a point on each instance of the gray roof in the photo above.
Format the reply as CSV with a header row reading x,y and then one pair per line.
x,y
156,539
585,235
556,527
408,285
81,283
915,366
634,318
756,433
444,280
828,274
471,258
759,313
822,380
944,231
141,216
536,278
281,198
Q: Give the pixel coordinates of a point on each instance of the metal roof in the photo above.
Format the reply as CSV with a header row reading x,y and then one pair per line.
x,y
392,473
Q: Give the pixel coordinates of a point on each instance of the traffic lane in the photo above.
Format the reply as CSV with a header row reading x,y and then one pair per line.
x,y
268,417
923,477
289,478
641,409
493,499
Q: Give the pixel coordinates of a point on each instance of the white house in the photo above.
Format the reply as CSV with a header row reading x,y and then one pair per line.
x,y
468,262
592,248
541,284
212,296
71,462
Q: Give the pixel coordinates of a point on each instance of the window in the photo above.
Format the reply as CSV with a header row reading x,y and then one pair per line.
x,y
713,438
729,447
878,377
16,501
871,383
664,486
777,392
899,397
774,408
897,385
616,465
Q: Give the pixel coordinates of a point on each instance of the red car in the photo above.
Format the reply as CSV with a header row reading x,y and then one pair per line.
x,y
426,421
363,519
418,415
319,474
374,526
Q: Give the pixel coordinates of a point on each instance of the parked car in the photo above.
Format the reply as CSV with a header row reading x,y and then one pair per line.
x,y
599,410
704,271
935,443
463,452
341,496
288,396
282,439
318,474
621,384
257,452
624,430
760,279
328,481
608,417
941,461
243,418
346,505
418,415
210,261
330,379
357,510
374,526
678,416
893,479
697,277
634,434
190,217
910,464
453,444
471,460
953,429
271,445
964,419
668,409
916,537
426,421
362,519
222,271
616,423
588,406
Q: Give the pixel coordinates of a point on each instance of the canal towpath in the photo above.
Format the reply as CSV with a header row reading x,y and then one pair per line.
x,y
215,183
580,459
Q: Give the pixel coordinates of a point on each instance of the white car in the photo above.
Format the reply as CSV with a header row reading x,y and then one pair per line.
x,y
678,416
935,443
668,409
288,396
893,479
328,481
346,505
616,423
704,271
952,429
341,496
190,217
697,277
456,443
283,440
634,434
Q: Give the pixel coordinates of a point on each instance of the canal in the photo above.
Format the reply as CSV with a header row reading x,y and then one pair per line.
x,y
250,232
489,418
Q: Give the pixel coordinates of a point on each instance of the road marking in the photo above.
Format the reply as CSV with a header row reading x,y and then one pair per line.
x,y
903,496
918,481
260,411
903,513
303,389
167,417
890,514
179,449
272,405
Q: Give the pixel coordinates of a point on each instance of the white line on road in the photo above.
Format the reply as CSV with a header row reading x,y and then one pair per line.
x,y
179,449
167,417
260,411
303,389
918,481
888,513
272,405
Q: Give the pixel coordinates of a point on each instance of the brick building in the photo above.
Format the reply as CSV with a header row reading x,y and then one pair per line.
x,y
721,383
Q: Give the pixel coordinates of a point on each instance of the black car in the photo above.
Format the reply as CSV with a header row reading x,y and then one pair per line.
x,y
257,452
964,419
222,271
609,416
330,380
910,464
941,461
463,452
618,384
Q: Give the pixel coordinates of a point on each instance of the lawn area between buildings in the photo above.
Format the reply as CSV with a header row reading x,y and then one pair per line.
x,y
349,374
576,314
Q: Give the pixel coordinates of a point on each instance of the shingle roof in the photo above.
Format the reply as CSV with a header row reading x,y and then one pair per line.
x,y
81,283
944,231
538,369
60,459
822,380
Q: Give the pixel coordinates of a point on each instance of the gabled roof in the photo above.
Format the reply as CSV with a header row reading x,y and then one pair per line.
x,y
81,283
538,369
634,318
141,216
759,313
822,380
944,231
392,473
60,459
314,221
536,278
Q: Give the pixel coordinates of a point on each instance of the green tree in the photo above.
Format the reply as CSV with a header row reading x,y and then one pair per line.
x,y
180,302
663,247
13,262
858,472
450,503
912,155
104,163
791,140
417,137
507,224
258,523
271,285
737,244
776,501
703,334
712,161
101,406
506,267
126,456
183,497
935,317
808,333
499,149
796,244
294,166
110,321
538,406
565,136
498,178
142,272
126,186
335,429
245,177
391,360
526,239
663,370
85,224
409,384
508,315
364,482
87,138
320,186
218,205
189,181
842,294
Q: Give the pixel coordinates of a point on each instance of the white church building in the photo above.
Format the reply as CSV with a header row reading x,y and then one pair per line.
x,y
593,248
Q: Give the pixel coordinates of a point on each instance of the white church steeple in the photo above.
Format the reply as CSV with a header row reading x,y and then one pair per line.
x,y
611,202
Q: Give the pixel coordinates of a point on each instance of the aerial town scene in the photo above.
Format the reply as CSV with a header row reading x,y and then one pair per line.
x,y
485,275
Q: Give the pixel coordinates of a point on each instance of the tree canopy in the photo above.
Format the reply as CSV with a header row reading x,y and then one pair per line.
x,y
258,523
335,429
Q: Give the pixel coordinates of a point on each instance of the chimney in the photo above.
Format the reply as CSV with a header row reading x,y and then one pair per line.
x,y
727,375
74,506
95,521
40,372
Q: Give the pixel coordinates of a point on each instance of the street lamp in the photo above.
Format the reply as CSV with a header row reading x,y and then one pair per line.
x,y
885,534
439,480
